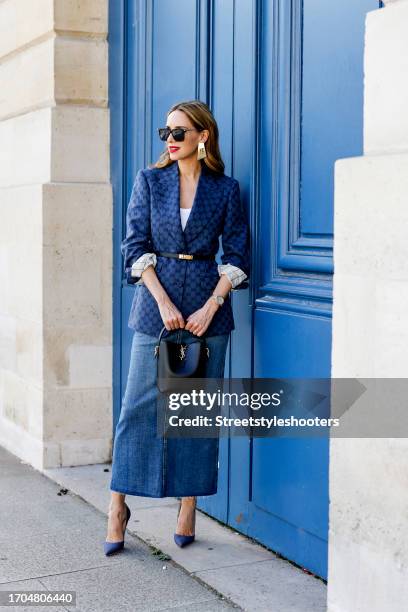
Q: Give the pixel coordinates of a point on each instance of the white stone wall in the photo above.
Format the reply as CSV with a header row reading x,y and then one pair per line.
x,y
56,232
368,538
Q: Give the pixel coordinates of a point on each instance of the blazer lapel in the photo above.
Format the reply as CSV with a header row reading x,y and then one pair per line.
x,y
169,197
201,210
199,213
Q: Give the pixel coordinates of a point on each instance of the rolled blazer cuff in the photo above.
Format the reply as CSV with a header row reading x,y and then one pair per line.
x,y
138,266
235,275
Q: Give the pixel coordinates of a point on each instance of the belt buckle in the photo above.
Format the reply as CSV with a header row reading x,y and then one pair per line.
x,y
185,256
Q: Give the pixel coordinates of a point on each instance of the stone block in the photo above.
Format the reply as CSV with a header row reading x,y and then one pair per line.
x,y
80,144
73,285
370,285
86,17
25,152
370,216
24,21
386,84
78,213
8,354
85,452
368,539
90,366
77,414
81,71
22,404
21,253
34,86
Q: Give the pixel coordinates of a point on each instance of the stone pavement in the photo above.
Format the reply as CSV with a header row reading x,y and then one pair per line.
x,y
51,541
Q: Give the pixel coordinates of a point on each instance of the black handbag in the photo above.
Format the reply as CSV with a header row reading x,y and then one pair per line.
x,y
177,360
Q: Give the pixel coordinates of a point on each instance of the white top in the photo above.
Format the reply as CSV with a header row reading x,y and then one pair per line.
x,y
184,215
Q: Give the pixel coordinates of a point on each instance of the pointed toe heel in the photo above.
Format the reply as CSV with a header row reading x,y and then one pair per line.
x,y
183,540
110,548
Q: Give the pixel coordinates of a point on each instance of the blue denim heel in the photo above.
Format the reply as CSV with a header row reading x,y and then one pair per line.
x,y
112,547
183,540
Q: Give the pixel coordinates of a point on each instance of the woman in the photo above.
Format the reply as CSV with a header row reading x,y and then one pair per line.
x,y
180,205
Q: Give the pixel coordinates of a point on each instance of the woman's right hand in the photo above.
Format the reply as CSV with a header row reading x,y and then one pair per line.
x,y
170,314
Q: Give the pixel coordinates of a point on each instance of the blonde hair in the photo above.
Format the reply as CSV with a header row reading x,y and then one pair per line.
x,y
202,118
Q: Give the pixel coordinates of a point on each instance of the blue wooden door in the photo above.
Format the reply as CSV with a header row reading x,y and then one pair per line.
x,y
310,112
284,79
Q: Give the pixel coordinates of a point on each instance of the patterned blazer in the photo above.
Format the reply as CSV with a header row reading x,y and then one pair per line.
x,y
153,224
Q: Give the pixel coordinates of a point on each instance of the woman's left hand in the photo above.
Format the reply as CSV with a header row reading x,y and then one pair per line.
x,y
198,321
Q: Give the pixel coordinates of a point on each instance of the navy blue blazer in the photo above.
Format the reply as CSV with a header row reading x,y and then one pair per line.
x,y
153,224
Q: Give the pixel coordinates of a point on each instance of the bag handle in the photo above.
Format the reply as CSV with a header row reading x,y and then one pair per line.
x,y
200,338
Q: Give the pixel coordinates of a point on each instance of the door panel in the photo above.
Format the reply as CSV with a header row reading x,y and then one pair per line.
x,y
311,86
332,55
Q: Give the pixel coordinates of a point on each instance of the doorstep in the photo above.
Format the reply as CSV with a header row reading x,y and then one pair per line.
x,y
241,570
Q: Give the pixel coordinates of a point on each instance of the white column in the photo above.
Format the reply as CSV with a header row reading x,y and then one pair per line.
x,y
368,537
55,232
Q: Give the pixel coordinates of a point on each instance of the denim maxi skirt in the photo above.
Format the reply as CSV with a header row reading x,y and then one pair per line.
x,y
150,466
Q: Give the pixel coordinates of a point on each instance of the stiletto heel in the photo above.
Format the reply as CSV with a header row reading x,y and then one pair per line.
x,y
112,547
183,540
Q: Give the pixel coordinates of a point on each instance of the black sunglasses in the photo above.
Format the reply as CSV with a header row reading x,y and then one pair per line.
x,y
178,133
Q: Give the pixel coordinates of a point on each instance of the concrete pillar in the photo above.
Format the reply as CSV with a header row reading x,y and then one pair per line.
x,y
55,232
368,538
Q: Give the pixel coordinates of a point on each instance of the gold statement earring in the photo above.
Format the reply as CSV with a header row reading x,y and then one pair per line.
x,y
201,152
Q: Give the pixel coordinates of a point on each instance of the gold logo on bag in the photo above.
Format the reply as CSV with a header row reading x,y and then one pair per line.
x,y
183,348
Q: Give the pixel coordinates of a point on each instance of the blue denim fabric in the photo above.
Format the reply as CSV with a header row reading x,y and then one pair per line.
x,y
144,464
